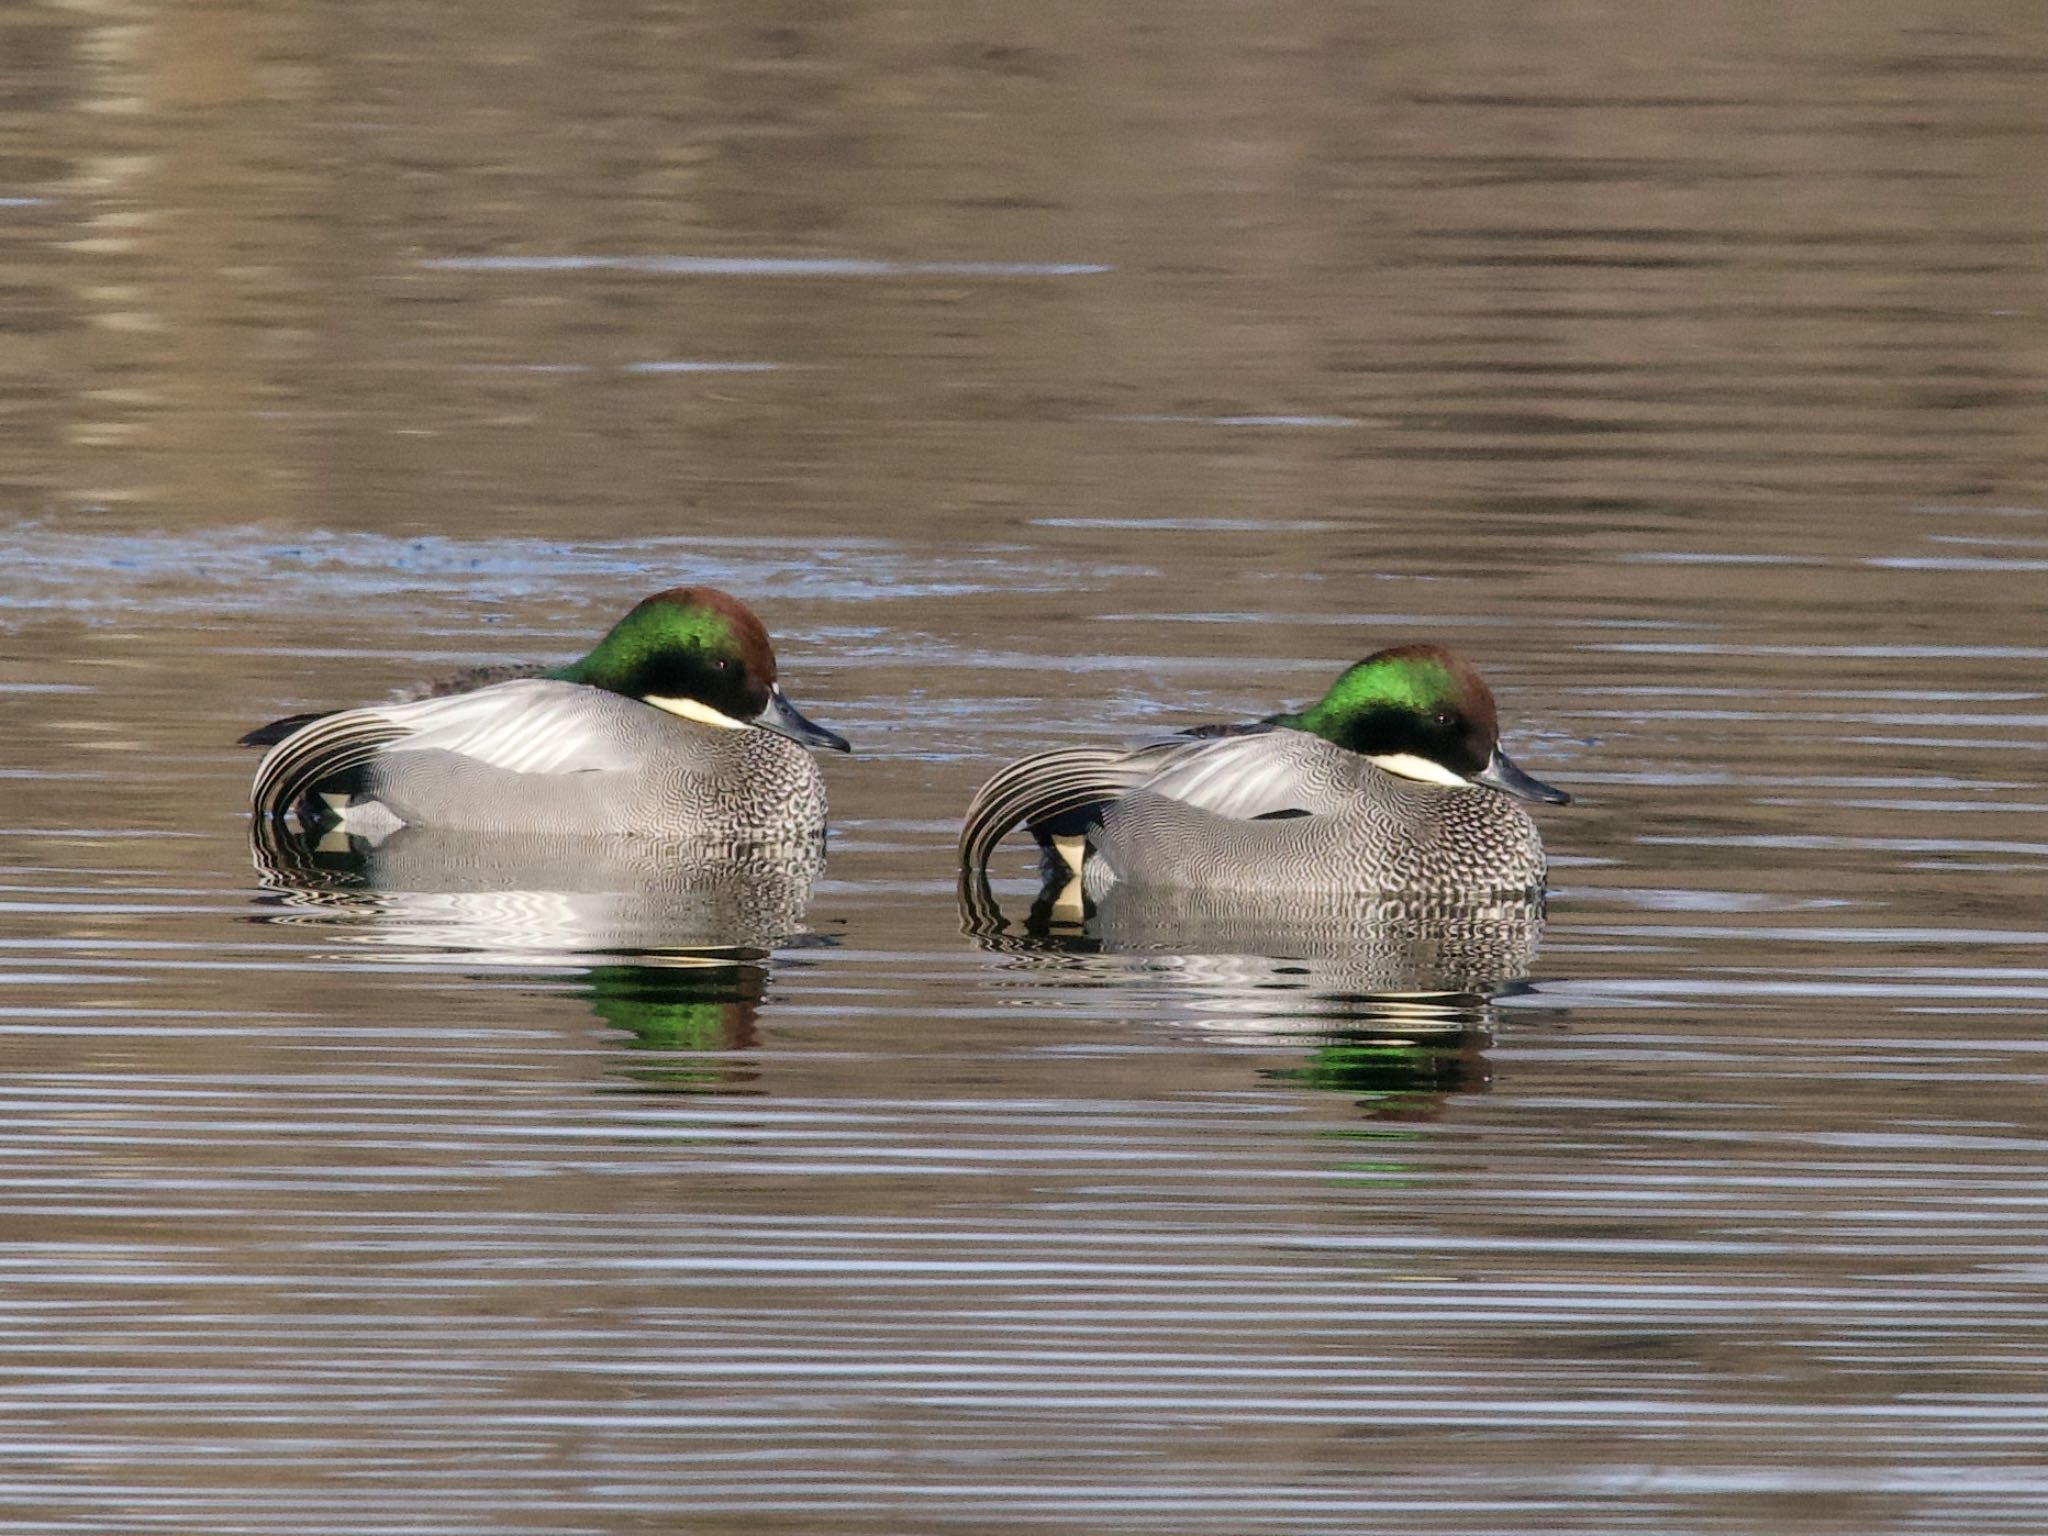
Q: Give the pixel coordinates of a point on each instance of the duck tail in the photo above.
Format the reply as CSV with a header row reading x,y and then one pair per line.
x,y
1039,791
270,735
316,755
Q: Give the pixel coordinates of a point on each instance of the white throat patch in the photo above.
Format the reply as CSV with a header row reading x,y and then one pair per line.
x,y
1406,765
700,712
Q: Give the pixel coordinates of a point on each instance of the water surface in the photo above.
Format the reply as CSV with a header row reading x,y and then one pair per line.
x,y
1039,377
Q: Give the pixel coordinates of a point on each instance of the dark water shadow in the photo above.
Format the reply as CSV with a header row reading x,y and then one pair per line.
x,y
670,947
1390,998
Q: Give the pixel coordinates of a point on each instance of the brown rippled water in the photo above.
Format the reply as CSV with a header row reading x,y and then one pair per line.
x,y
1040,374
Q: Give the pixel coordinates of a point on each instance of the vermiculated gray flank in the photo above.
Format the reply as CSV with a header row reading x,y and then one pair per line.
x,y
1364,830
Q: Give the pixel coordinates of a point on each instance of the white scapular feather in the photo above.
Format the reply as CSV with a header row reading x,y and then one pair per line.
x,y
530,725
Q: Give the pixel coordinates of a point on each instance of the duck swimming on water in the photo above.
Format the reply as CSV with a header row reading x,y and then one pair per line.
x,y
672,726
1393,782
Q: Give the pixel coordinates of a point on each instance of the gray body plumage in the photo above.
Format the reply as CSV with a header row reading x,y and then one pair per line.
x,y
541,756
1264,811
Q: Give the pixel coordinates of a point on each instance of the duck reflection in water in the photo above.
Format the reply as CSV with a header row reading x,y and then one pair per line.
x,y
1392,997
669,946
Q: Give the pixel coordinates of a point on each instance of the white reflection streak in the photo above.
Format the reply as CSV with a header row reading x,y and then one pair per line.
x,y
762,266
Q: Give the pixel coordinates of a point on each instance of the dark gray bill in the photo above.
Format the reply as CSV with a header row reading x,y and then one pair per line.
x,y
781,717
1501,773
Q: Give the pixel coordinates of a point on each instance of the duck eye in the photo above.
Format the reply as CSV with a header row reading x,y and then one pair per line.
x,y
1442,717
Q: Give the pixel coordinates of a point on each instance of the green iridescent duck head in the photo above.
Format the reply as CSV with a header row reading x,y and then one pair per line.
x,y
701,654
1421,712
